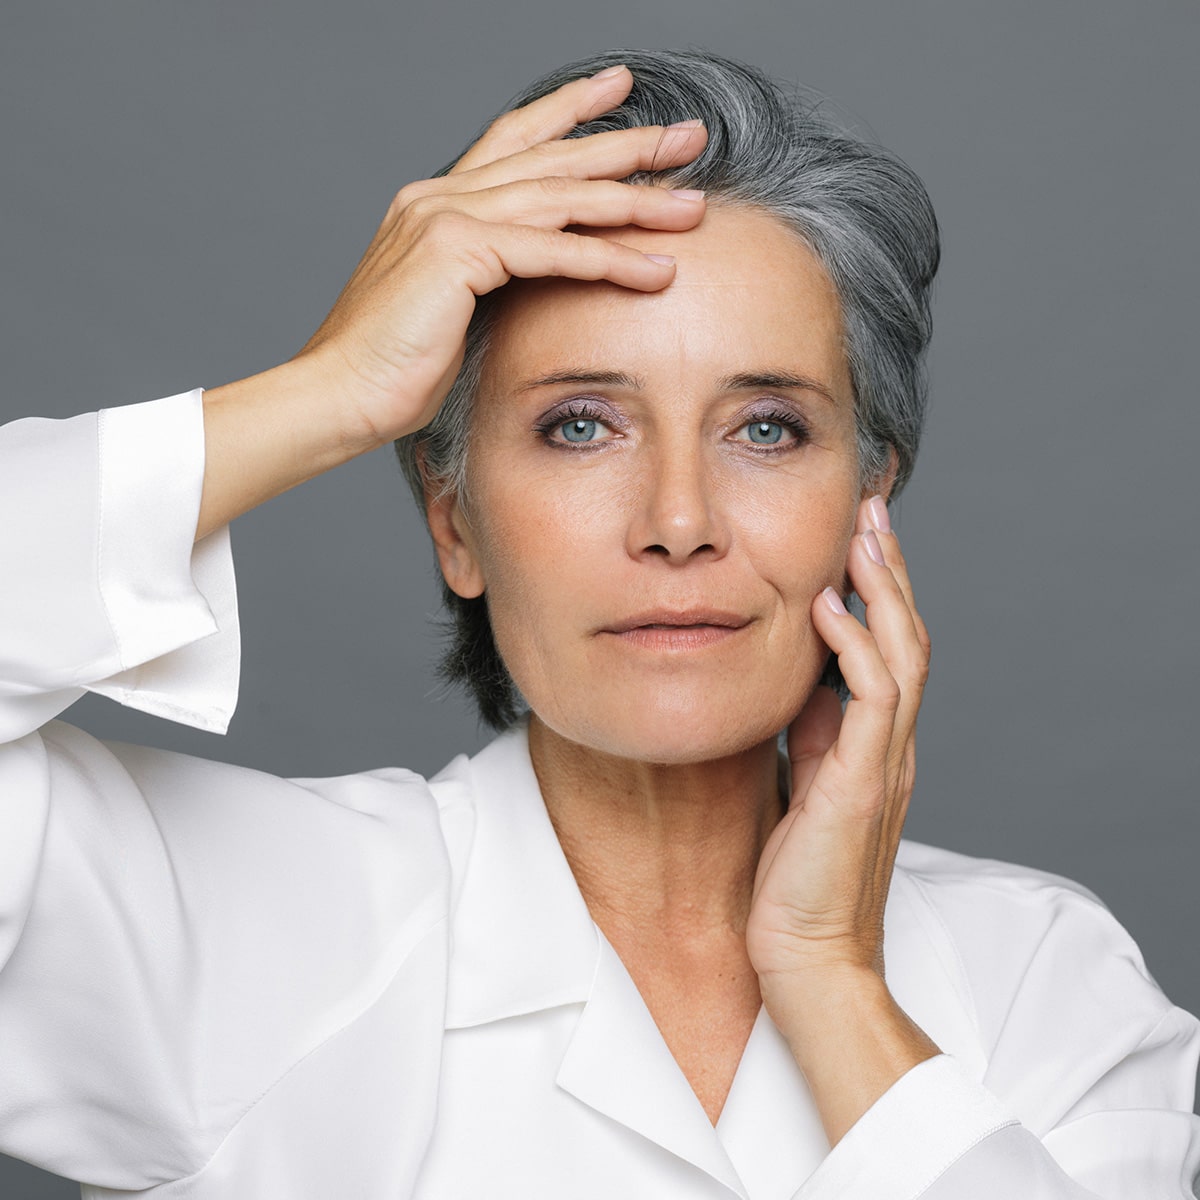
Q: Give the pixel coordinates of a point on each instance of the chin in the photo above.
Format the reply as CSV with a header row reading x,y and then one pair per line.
x,y
672,728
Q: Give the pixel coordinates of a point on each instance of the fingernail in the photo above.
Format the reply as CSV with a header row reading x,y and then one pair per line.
x,y
664,259
877,507
873,547
609,72
694,123
834,601
687,193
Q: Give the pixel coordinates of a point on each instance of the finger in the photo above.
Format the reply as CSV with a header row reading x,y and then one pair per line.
x,y
547,118
902,642
890,622
493,254
873,514
864,743
557,201
868,775
613,154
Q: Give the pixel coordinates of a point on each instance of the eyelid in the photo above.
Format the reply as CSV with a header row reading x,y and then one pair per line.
x,y
594,408
577,408
776,406
590,406
770,410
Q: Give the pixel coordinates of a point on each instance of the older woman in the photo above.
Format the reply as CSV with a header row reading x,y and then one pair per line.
x,y
651,353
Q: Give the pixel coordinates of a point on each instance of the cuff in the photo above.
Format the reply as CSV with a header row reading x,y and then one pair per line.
x,y
171,601
919,1127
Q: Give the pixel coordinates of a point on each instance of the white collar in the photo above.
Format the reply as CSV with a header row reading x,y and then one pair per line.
x,y
522,941
522,937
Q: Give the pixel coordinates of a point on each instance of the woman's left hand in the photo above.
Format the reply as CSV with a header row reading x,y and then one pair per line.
x,y
823,877
815,932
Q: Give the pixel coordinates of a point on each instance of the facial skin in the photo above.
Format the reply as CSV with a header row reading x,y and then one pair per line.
x,y
668,508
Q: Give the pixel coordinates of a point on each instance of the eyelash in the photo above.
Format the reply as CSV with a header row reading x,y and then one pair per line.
x,y
583,410
575,410
791,421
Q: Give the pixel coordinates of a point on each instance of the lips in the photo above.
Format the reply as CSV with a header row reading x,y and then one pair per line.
x,y
671,618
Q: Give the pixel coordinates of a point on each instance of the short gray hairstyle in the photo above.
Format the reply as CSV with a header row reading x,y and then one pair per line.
x,y
862,211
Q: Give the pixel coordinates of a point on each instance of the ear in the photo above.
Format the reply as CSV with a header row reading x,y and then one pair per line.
x,y
882,485
454,542
453,538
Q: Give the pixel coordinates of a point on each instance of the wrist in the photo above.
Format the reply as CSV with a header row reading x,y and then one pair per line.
x,y
803,1000
269,432
324,381
847,1034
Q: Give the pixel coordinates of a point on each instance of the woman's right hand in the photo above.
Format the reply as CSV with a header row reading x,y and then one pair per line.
x,y
384,358
394,340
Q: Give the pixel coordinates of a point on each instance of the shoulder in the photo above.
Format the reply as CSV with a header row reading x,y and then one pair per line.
x,y
948,877
173,781
314,888
226,921
1000,911
1032,947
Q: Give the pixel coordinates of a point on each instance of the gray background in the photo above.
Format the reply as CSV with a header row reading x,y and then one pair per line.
x,y
186,188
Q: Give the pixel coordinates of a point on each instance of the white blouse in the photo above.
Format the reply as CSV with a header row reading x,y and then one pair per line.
x,y
218,983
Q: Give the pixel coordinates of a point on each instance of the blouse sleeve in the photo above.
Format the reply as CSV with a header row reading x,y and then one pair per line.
x,y
175,934
105,588
1090,1074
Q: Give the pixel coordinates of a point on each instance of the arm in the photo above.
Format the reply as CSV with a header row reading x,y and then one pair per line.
x,y
815,934
103,588
156,981
384,358
1089,1085
126,874
105,591
1089,1077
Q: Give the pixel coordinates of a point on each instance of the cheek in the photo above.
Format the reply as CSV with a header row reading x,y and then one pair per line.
x,y
540,555
550,553
796,531
543,527
556,559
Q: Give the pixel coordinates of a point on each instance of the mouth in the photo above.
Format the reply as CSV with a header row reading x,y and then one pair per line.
x,y
692,618
673,629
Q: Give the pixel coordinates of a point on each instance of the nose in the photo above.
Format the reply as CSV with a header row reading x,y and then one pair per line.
x,y
677,514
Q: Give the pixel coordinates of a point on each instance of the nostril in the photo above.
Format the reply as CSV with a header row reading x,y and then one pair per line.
x,y
665,552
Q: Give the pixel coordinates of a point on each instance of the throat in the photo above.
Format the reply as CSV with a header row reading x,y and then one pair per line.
x,y
665,857
704,1005
673,847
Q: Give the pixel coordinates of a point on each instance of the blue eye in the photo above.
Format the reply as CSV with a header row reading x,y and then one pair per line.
x,y
580,424
581,429
765,433
774,430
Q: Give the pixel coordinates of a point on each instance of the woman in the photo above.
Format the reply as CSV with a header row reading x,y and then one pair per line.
x,y
620,948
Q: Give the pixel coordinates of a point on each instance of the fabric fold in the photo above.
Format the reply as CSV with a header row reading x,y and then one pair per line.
x,y
115,595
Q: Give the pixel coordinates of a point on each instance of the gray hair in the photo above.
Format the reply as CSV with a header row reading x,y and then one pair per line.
x,y
862,211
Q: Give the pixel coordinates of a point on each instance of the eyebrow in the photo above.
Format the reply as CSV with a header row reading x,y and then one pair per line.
x,y
742,381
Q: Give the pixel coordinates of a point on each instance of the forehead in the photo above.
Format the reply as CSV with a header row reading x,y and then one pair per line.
x,y
747,294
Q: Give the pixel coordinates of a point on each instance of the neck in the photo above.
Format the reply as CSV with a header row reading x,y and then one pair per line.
x,y
671,849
